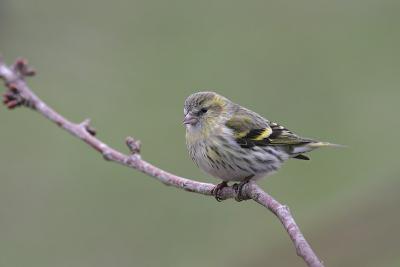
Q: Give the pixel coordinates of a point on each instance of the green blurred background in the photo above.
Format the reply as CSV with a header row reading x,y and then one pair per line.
x,y
325,69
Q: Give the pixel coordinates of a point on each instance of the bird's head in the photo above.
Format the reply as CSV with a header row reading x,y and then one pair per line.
x,y
204,109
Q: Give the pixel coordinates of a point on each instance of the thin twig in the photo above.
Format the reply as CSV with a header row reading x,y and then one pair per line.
x,y
18,93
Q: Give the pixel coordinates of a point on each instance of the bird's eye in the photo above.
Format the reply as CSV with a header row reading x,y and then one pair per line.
x,y
203,110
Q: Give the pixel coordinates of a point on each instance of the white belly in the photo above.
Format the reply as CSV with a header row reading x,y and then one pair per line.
x,y
233,163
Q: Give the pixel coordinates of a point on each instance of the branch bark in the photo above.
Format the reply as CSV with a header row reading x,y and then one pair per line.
x,y
19,94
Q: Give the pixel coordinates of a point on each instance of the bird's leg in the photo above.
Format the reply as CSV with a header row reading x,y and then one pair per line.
x,y
217,189
239,187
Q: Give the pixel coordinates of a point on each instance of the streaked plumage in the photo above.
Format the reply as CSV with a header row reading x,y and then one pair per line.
x,y
233,143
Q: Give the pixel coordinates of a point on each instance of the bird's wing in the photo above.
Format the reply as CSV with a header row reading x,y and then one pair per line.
x,y
282,136
250,129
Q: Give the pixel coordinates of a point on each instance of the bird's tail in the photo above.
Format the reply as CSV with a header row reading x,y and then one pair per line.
x,y
323,144
311,146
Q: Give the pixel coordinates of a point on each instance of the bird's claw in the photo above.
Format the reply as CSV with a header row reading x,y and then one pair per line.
x,y
217,189
239,189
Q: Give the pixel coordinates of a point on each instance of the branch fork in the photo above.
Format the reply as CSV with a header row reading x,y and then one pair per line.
x,y
19,94
13,98
133,145
87,127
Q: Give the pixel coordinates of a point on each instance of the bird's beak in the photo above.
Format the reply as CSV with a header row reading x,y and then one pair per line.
x,y
190,119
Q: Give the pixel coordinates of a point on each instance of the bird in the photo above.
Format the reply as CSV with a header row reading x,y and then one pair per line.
x,y
234,144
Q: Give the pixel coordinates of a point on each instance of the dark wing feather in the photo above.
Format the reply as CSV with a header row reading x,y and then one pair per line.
x,y
301,156
250,129
282,136
253,138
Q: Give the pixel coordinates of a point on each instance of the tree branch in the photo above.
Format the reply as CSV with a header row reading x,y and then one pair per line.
x,y
19,94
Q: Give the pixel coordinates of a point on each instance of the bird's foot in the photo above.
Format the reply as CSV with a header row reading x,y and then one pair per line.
x,y
239,189
217,189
